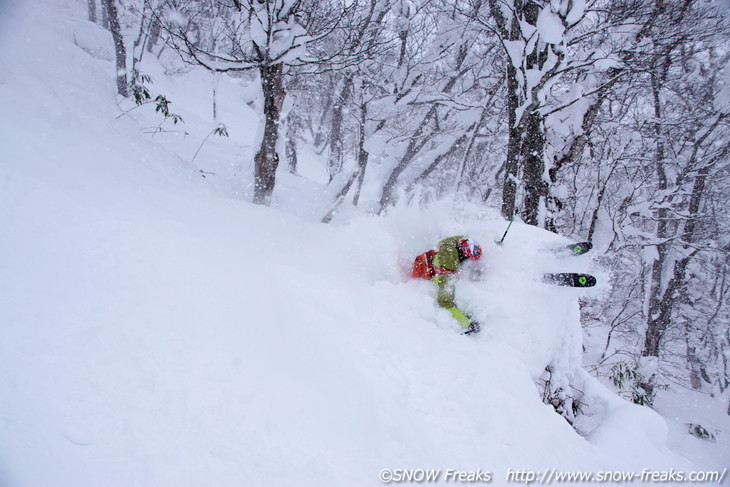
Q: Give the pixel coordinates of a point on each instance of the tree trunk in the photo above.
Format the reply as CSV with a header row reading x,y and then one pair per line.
x,y
335,157
509,188
532,156
92,10
659,306
694,362
403,36
532,147
267,159
340,197
573,154
291,149
359,174
120,51
105,14
293,126
526,144
659,319
362,154
335,139
155,29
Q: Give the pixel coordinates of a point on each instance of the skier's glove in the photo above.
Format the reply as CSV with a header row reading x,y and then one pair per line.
x,y
473,328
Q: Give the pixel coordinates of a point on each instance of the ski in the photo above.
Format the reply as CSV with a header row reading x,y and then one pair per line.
x,y
577,248
570,279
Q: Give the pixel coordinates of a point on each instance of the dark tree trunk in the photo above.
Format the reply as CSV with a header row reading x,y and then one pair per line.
x,y
362,154
293,126
120,51
403,36
267,159
659,319
509,189
155,29
659,302
336,151
532,156
291,150
532,146
525,164
695,364
526,144
92,10
105,14
359,175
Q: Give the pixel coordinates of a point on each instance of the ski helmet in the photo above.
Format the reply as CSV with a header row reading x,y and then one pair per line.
x,y
469,250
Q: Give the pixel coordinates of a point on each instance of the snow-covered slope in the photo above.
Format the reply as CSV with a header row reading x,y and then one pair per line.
x,y
156,332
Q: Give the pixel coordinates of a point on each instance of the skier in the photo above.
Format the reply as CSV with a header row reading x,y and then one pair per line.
x,y
442,267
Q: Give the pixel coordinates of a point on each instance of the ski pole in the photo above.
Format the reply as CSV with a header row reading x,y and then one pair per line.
x,y
505,232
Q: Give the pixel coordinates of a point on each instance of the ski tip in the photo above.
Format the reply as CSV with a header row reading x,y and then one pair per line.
x,y
570,279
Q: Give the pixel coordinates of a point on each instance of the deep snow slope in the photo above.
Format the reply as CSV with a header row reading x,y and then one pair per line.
x,y
156,333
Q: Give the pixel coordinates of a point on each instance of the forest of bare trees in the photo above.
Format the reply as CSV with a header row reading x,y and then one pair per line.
x,y
596,119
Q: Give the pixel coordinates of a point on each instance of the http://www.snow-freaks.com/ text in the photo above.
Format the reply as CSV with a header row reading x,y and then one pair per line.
x,y
548,476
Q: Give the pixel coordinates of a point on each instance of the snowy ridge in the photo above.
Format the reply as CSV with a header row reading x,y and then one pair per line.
x,y
156,333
